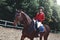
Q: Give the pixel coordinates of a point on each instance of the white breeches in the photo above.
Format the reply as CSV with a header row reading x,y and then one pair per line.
x,y
38,23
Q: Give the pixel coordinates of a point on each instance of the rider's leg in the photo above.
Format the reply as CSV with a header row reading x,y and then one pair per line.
x,y
40,27
35,24
38,24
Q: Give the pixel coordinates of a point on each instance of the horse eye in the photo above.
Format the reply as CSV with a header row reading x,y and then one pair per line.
x,y
18,12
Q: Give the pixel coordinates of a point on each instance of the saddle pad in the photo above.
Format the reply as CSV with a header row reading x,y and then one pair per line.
x,y
41,29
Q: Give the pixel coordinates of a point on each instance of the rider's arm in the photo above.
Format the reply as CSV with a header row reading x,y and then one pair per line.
x,y
36,16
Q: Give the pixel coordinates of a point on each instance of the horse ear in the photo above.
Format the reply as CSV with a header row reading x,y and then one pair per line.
x,y
16,10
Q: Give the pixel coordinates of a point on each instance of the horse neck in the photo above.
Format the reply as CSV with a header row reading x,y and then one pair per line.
x,y
27,20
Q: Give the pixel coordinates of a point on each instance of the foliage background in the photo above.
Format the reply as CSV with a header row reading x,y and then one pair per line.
x,y
52,10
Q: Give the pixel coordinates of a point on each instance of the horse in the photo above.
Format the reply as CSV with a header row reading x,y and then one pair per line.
x,y
28,30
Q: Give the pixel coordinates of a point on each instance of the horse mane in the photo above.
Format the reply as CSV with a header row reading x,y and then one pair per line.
x,y
27,17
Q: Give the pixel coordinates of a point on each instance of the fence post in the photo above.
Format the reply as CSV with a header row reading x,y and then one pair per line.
x,y
5,23
16,26
9,24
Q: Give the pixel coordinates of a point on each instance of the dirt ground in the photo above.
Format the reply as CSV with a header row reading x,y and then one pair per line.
x,y
14,34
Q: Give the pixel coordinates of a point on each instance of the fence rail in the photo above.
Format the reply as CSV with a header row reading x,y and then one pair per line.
x,y
8,24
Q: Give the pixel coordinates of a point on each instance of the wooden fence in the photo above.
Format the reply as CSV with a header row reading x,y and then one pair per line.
x,y
8,24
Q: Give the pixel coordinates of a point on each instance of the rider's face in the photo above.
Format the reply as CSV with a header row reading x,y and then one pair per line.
x,y
40,10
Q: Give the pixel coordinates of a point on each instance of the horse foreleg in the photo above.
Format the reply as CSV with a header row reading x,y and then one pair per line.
x,y
31,39
22,37
40,37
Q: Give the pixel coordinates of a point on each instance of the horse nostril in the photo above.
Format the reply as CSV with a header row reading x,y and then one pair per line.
x,y
14,23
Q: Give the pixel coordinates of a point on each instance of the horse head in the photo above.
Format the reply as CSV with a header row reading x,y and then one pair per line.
x,y
18,17
22,18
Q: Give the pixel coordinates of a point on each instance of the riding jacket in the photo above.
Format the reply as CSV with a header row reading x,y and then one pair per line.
x,y
40,16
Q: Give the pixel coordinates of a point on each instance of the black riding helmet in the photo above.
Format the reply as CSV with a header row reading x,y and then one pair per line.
x,y
41,8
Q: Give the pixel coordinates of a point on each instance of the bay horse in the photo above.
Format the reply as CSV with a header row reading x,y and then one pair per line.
x,y
28,30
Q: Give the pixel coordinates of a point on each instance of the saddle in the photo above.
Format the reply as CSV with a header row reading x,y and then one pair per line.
x,y
33,26
40,29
